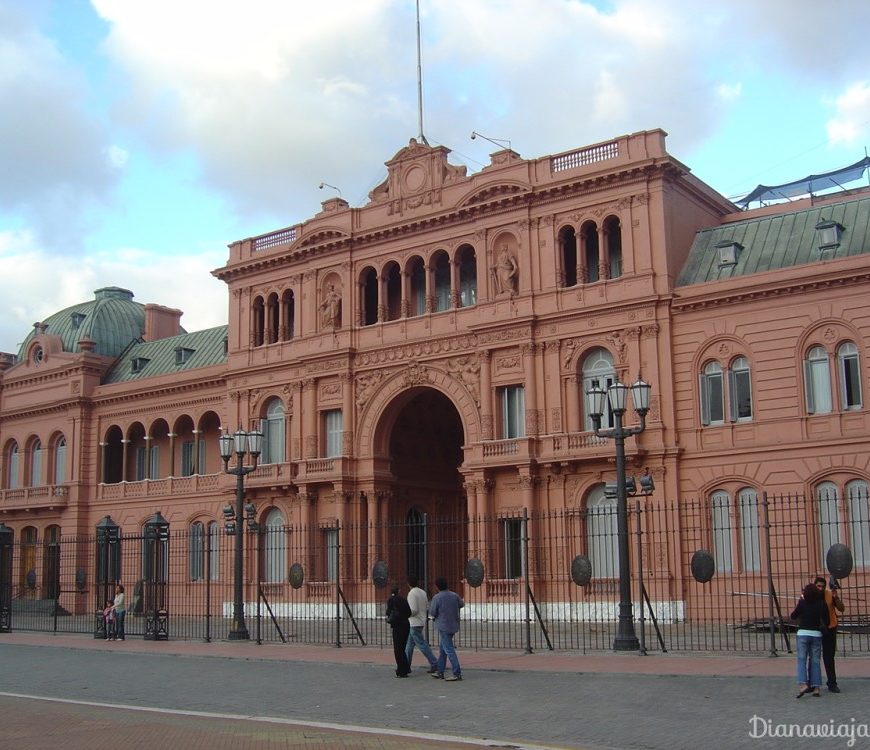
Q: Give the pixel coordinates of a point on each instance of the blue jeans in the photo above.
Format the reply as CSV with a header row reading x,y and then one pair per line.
x,y
447,651
119,624
416,638
809,651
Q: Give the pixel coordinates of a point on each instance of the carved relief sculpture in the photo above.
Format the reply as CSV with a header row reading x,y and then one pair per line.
x,y
330,308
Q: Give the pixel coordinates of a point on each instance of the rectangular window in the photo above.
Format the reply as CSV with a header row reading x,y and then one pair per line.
x,y
740,391
141,466
36,469
513,412
200,463
154,463
850,381
721,507
817,375
196,549
60,463
512,529
214,551
273,440
333,432
750,547
859,522
330,548
829,519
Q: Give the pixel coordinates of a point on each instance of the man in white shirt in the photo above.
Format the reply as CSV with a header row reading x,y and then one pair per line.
x,y
419,603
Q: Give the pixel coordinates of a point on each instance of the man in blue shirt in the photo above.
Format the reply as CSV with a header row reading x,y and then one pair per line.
x,y
444,610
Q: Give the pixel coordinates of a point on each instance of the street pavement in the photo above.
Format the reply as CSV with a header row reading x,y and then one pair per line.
x,y
74,692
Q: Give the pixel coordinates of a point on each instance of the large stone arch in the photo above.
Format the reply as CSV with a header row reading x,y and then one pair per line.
x,y
373,430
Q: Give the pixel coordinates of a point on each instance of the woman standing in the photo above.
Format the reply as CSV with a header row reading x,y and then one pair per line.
x,y
811,612
398,612
120,607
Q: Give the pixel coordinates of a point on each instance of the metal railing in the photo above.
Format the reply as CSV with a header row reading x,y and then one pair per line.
x,y
328,584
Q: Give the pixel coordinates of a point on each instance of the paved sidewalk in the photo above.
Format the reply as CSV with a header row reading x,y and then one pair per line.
x,y
714,664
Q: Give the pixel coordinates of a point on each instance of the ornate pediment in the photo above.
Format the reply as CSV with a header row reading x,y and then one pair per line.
x,y
321,237
491,192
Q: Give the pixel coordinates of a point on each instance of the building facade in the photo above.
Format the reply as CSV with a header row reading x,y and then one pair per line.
x,y
427,354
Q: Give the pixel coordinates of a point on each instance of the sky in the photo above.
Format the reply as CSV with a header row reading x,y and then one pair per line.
x,y
139,138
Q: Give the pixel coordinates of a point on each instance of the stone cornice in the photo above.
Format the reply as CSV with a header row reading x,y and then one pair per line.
x,y
73,404
737,296
161,392
538,196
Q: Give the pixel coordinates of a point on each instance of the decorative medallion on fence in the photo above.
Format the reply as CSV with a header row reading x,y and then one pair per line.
x,y
581,570
474,572
380,574
297,575
703,566
839,560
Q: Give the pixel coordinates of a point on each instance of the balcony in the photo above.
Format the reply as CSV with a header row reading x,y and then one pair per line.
x,y
168,487
32,498
562,447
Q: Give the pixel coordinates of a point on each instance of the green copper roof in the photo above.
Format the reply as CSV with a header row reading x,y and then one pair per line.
x,y
112,319
187,351
781,241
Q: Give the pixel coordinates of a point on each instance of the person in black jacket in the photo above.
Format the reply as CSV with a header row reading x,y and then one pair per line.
x,y
398,612
811,613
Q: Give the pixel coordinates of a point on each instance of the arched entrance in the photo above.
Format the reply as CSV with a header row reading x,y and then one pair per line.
x,y
424,436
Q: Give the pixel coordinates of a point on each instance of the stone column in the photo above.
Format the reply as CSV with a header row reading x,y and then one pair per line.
x,y
309,417
486,394
529,351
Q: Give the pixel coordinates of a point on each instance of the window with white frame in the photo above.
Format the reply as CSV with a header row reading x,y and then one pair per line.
x,y
748,518
333,431
513,412
827,498
817,381
141,467
187,453
36,463
512,531
598,371
12,467
858,509
601,534
740,390
849,371
720,508
154,462
274,547
214,550
60,460
330,549
273,427
712,395
196,551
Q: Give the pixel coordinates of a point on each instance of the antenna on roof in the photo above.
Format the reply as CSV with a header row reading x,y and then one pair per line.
x,y
420,80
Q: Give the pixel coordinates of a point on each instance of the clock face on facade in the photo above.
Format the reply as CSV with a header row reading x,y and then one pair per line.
x,y
38,354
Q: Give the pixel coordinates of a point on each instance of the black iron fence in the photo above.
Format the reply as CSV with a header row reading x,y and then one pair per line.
x,y
517,572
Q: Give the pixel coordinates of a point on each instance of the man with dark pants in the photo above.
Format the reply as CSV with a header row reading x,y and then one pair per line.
x,y
829,636
444,610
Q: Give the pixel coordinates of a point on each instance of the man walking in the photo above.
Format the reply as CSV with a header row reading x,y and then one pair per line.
x,y
829,636
419,604
444,610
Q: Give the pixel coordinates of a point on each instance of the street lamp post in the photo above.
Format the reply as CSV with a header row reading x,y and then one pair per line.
x,y
240,443
617,394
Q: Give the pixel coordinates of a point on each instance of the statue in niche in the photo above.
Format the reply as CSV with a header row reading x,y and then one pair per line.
x,y
330,308
506,271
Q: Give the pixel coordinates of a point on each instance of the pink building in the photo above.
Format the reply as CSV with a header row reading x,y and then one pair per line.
x,y
427,355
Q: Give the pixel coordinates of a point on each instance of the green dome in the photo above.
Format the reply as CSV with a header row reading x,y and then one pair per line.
x,y
112,319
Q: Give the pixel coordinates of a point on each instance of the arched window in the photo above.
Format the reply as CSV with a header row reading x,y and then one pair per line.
x,y
849,371
750,545
613,236
196,551
60,460
273,313
288,315
601,534
827,497
467,276
393,283
817,377
712,394
720,507
35,471
275,547
568,256
418,287
273,433
11,478
214,550
598,371
258,322
858,508
369,297
589,248
442,281
740,390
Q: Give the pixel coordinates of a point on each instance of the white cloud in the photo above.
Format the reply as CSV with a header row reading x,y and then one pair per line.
x,y
31,294
52,151
729,92
851,125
